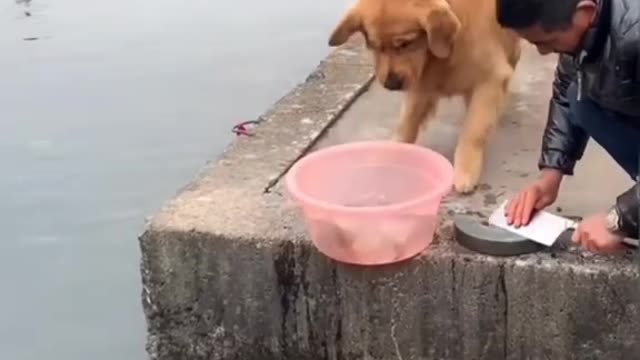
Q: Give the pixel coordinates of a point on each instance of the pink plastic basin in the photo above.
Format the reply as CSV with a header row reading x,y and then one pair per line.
x,y
373,202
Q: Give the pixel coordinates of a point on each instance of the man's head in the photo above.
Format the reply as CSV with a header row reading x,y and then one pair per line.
x,y
551,25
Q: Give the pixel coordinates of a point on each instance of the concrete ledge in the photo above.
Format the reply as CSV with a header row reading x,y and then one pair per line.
x,y
228,272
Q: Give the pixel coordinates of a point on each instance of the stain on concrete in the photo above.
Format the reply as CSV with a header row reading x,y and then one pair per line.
x,y
490,199
484,187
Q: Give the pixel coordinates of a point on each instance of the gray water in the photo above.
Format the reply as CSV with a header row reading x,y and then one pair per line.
x,y
107,107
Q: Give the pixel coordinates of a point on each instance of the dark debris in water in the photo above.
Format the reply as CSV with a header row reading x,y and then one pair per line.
x,y
25,3
31,38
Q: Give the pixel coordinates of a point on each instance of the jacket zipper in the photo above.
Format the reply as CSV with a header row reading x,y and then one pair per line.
x,y
579,97
579,61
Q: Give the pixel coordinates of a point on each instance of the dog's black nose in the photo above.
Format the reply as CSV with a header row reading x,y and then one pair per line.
x,y
393,82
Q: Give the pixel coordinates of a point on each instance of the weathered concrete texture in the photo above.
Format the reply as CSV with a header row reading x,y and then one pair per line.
x,y
229,272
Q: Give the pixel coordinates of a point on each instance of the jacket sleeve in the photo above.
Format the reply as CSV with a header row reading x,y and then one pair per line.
x,y
563,143
628,205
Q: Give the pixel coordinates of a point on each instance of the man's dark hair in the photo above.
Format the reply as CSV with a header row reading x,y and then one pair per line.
x,y
551,15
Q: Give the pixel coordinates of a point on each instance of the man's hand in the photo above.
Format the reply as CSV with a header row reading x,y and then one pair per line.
x,y
592,234
534,197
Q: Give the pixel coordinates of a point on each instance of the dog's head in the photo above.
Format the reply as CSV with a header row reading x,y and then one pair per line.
x,y
402,34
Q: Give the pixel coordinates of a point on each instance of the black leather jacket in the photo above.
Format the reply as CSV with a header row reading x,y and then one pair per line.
x,y
607,70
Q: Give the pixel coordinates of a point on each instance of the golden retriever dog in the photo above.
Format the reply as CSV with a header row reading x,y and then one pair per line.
x,y
432,49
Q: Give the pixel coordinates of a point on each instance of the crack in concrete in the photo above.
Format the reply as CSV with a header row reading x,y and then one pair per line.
x,y
455,311
352,98
337,340
505,313
284,266
395,341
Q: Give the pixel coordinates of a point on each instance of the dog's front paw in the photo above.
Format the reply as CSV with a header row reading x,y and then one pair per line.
x,y
465,183
398,136
406,132
467,170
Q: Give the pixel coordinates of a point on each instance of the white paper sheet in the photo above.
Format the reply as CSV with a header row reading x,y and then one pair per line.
x,y
544,228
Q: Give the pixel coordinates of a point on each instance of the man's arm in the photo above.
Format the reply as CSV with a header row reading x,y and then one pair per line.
x,y
563,143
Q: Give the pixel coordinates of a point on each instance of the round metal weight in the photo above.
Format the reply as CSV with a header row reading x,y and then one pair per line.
x,y
479,236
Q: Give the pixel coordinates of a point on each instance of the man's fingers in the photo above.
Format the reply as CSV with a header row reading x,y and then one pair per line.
x,y
578,236
591,245
575,237
520,209
582,239
517,220
610,246
513,209
529,203
509,209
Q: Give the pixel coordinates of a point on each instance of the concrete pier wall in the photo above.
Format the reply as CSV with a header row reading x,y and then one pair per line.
x,y
228,271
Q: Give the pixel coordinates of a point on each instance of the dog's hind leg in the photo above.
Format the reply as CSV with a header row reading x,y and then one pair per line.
x,y
416,109
485,105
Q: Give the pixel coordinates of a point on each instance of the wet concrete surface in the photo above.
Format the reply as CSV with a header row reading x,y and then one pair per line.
x,y
106,108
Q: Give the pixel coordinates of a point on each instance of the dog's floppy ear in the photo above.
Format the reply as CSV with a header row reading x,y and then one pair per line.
x,y
348,25
442,26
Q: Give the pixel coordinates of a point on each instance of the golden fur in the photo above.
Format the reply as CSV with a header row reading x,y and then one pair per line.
x,y
439,48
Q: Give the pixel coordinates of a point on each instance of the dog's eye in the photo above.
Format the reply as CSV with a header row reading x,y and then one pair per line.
x,y
403,44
